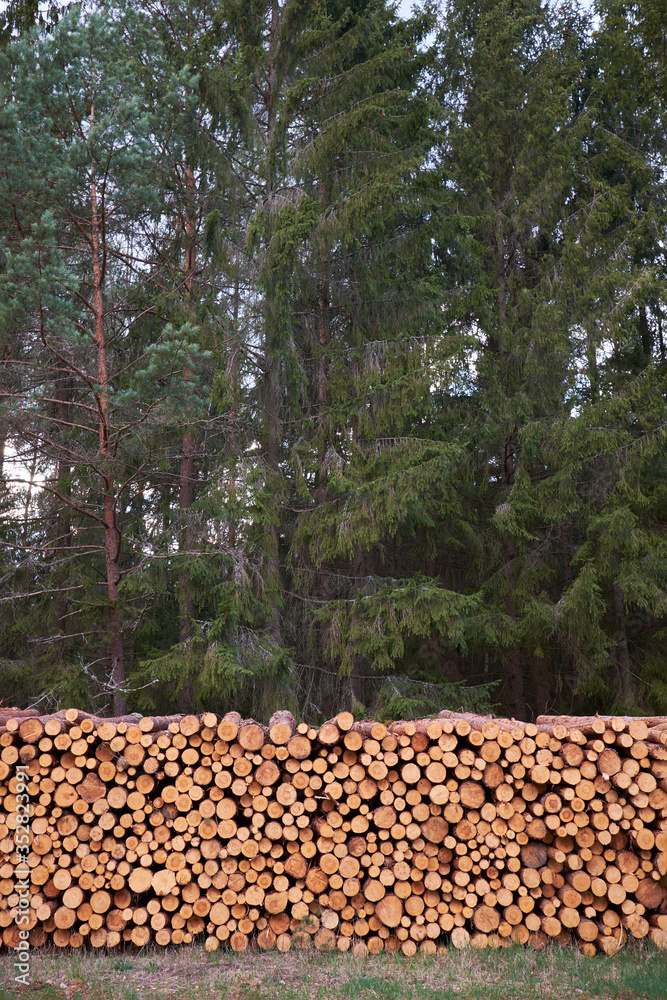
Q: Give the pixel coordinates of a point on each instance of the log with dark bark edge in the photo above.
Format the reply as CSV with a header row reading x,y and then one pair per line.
x,y
360,836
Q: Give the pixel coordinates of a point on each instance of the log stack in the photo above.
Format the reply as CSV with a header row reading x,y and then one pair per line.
x,y
354,835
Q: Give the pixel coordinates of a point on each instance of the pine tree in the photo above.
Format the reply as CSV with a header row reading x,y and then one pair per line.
x,y
201,199
79,396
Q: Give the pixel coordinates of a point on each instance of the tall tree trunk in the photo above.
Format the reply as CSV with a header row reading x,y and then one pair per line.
x,y
233,417
323,580
273,432
112,534
186,484
514,665
322,372
62,526
622,650
28,497
592,365
566,543
360,689
645,331
186,604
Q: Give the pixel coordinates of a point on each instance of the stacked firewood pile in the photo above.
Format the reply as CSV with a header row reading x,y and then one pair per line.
x,y
362,836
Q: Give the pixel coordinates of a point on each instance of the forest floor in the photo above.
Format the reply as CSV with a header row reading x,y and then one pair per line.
x,y
192,974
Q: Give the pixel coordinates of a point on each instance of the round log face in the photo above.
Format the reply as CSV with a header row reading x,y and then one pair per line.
x,y
344,721
140,880
435,829
30,731
251,736
389,910
384,817
329,734
163,882
650,894
534,855
268,773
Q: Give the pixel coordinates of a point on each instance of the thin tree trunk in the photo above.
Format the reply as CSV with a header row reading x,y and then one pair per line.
x,y
186,604
359,688
622,650
273,432
515,681
62,527
112,535
323,579
591,358
186,490
233,374
517,697
514,665
322,372
566,540
28,499
645,331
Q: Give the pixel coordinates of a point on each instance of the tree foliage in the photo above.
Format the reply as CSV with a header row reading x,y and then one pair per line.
x,y
332,356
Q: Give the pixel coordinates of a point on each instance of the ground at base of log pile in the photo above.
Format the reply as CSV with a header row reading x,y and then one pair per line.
x,y
188,973
360,837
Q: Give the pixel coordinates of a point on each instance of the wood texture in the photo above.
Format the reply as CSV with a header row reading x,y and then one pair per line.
x,y
362,836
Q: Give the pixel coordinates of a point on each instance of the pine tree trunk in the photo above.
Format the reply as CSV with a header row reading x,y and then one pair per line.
x,y
514,666
112,534
28,498
362,566
62,527
500,264
566,541
591,358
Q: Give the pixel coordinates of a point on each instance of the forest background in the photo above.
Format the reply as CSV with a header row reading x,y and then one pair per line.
x,y
332,356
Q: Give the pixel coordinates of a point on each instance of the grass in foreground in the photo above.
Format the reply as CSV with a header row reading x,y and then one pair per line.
x,y
192,974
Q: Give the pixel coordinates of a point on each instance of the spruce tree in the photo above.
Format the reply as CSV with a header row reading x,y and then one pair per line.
x,y
363,169
612,617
